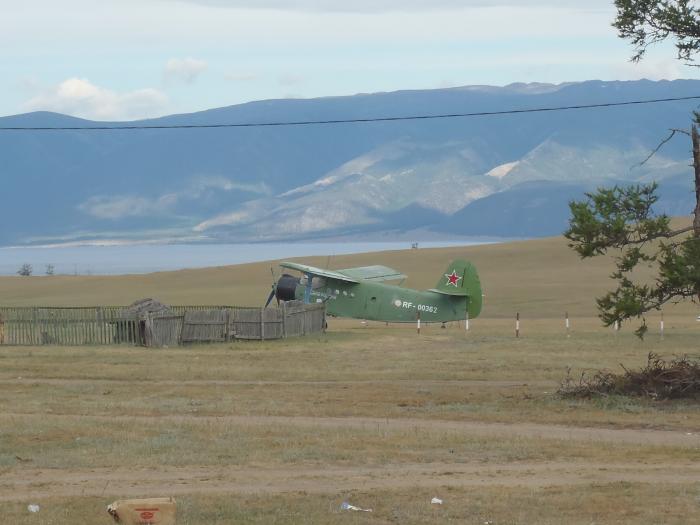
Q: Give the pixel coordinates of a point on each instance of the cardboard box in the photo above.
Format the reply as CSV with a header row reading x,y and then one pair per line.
x,y
149,511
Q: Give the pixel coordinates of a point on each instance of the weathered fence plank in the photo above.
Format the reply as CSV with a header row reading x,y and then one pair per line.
x,y
205,326
106,325
163,330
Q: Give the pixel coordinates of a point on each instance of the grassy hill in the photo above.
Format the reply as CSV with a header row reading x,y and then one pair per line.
x,y
540,278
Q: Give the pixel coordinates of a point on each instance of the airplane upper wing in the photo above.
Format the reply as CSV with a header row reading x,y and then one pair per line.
x,y
373,273
350,275
329,274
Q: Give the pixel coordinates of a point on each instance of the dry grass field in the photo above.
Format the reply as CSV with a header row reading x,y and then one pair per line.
x,y
285,431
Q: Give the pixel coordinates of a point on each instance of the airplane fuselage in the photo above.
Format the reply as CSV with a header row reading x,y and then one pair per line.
x,y
385,302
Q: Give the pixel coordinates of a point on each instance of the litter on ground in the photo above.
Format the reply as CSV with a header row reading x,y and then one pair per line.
x,y
346,506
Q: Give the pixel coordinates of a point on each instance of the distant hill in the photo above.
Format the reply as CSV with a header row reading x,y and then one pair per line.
x,y
505,175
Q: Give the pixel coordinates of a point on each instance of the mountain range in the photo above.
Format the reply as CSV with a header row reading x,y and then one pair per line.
x,y
501,175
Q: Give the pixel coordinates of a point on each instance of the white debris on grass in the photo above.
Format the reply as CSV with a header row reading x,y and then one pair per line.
x,y
33,508
346,506
436,501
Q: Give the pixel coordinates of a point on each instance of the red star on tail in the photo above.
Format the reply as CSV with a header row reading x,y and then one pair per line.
x,y
453,279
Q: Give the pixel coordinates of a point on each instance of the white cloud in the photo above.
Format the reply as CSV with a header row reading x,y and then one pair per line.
x,y
240,76
80,98
340,47
652,69
229,219
373,6
290,79
195,23
115,207
184,69
123,206
206,182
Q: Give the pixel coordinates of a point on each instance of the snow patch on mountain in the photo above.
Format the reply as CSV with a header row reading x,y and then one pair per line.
x,y
504,169
354,168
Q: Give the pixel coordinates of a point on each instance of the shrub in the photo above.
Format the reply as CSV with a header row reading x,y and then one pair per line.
x,y
659,379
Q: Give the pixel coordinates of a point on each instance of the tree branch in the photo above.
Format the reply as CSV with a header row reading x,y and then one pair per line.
x,y
649,238
662,144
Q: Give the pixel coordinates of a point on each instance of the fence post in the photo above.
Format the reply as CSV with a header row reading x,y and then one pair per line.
x,y
284,320
662,326
262,324
100,321
33,327
148,330
418,323
517,324
466,322
568,325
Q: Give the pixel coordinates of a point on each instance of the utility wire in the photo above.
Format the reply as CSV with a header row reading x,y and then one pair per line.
x,y
348,121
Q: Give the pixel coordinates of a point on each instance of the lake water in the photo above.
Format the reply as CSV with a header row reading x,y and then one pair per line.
x,y
146,258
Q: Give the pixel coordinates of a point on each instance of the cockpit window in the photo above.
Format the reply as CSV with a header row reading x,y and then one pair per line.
x,y
316,283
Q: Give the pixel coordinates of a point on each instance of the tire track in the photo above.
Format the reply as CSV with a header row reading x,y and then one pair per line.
x,y
28,381
685,439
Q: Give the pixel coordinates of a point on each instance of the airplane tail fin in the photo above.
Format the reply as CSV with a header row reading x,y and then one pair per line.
x,y
462,280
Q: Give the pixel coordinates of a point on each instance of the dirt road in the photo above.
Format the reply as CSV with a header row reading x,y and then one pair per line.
x,y
685,439
29,484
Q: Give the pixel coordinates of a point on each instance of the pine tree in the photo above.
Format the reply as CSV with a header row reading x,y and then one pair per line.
x,y
622,219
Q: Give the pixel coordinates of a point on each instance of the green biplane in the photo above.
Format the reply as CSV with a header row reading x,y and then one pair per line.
x,y
363,293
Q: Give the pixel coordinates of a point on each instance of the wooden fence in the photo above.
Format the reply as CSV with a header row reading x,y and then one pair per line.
x,y
107,325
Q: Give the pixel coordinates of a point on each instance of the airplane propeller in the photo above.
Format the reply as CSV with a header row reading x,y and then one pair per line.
x,y
273,292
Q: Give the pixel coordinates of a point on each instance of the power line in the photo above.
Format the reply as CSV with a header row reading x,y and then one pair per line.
x,y
349,121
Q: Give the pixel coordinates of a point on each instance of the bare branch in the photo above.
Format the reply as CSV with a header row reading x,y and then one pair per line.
x,y
662,144
685,132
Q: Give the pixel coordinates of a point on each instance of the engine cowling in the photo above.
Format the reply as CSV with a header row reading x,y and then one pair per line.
x,y
286,288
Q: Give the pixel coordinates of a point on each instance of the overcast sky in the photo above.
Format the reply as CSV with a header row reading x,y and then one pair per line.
x,y
128,59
